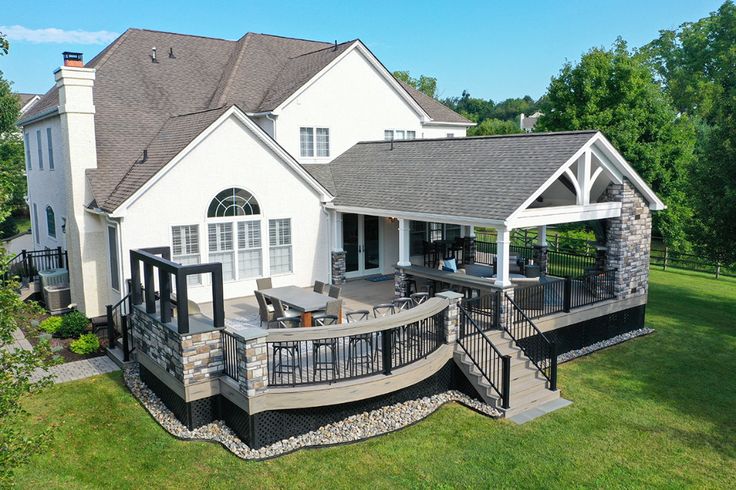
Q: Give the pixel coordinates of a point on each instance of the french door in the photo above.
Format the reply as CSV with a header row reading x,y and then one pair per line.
x,y
361,236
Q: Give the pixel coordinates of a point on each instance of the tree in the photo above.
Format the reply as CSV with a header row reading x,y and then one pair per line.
x,y
16,365
425,84
616,93
695,64
12,180
494,126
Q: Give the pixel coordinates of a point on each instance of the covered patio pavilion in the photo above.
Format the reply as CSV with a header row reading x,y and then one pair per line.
x,y
502,182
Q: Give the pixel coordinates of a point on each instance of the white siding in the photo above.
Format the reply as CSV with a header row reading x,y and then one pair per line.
x,y
231,157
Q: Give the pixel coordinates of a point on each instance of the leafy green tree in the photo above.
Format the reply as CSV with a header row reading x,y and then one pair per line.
x,y
16,365
12,179
494,126
616,93
425,84
696,66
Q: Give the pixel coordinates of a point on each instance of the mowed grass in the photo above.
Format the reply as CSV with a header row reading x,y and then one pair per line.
x,y
658,411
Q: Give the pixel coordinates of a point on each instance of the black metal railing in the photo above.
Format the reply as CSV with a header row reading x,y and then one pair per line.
x,y
324,355
483,311
590,288
118,326
568,264
149,258
542,299
536,346
493,366
230,354
29,262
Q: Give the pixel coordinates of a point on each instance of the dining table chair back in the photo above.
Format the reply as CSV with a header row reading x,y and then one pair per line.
x,y
357,316
265,311
384,309
334,292
264,283
319,287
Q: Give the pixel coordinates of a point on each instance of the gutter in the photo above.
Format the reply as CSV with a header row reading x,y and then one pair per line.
x,y
41,115
460,124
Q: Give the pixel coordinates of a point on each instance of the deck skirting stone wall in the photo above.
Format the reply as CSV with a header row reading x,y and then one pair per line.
x,y
629,240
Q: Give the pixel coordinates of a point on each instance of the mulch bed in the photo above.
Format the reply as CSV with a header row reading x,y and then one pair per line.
x,y
60,347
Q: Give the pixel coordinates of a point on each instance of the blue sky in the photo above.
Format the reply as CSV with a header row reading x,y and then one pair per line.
x,y
493,49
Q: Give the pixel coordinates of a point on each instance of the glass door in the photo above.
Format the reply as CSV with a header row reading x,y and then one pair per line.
x,y
361,237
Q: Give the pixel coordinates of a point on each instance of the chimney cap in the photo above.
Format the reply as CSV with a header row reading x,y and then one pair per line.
x,y
72,58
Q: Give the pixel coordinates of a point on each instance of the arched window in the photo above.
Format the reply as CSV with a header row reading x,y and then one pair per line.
x,y
50,222
233,202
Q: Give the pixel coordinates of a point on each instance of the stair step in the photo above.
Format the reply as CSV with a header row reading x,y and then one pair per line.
x,y
529,401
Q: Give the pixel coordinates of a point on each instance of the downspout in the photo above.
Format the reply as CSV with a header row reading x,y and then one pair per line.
x,y
273,121
329,242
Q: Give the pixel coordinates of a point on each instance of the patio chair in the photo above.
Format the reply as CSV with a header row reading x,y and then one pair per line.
x,y
383,310
286,357
332,309
281,312
319,287
403,304
334,292
264,309
419,298
357,316
324,351
264,283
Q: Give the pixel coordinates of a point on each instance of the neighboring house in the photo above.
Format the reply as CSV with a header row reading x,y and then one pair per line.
x,y
136,147
27,101
527,123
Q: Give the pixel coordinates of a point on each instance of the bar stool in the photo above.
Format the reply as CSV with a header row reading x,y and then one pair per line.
x,y
419,298
401,304
361,351
324,351
286,356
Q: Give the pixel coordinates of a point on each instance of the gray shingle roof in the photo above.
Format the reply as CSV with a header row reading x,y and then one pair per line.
x,y
135,98
436,110
484,177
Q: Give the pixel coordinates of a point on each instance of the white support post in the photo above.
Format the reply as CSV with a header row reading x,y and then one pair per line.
x,y
471,231
583,177
404,239
336,220
542,236
503,241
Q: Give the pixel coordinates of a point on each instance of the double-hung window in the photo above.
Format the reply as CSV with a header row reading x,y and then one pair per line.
x,y
185,248
399,134
112,242
250,263
314,138
40,149
49,142
279,237
222,249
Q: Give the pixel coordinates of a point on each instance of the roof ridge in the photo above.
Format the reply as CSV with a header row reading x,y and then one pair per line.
x,y
229,73
290,38
199,112
486,136
331,46
180,34
105,54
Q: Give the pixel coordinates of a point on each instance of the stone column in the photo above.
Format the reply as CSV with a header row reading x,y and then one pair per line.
x,y
401,288
505,317
451,315
202,356
252,363
628,240
469,245
338,267
540,249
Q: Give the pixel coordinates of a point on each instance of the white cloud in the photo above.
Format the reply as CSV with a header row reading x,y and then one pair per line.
x,y
53,35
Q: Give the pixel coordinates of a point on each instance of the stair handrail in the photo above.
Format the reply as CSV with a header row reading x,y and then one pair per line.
x,y
110,311
551,346
504,391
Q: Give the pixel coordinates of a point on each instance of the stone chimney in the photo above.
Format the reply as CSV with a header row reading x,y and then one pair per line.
x,y
85,231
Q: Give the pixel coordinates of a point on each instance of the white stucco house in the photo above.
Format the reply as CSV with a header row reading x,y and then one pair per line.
x,y
133,148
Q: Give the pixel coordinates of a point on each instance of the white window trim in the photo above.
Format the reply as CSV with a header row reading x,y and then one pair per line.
x,y
200,255
238,249
109,257
291,245
49,144
46,215
405,131
39,148
315,157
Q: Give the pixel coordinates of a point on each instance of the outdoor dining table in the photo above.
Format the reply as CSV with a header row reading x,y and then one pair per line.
x,y
304,301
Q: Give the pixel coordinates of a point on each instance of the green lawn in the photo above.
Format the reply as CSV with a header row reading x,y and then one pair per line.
x,y
659,411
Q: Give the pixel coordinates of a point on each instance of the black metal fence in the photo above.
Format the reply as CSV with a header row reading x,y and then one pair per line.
x,y
590,288
29,262
671,259
568,264
493,366
230,354
333,359
537,347
541,299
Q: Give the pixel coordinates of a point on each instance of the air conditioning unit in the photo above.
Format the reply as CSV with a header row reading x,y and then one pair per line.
x,y
54,277
57,298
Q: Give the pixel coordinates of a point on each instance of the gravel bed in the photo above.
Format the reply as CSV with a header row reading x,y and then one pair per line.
x,y
568,356
353,428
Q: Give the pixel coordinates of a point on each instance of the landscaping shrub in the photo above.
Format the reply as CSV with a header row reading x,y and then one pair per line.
x,y
86,344
73,325
51,325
